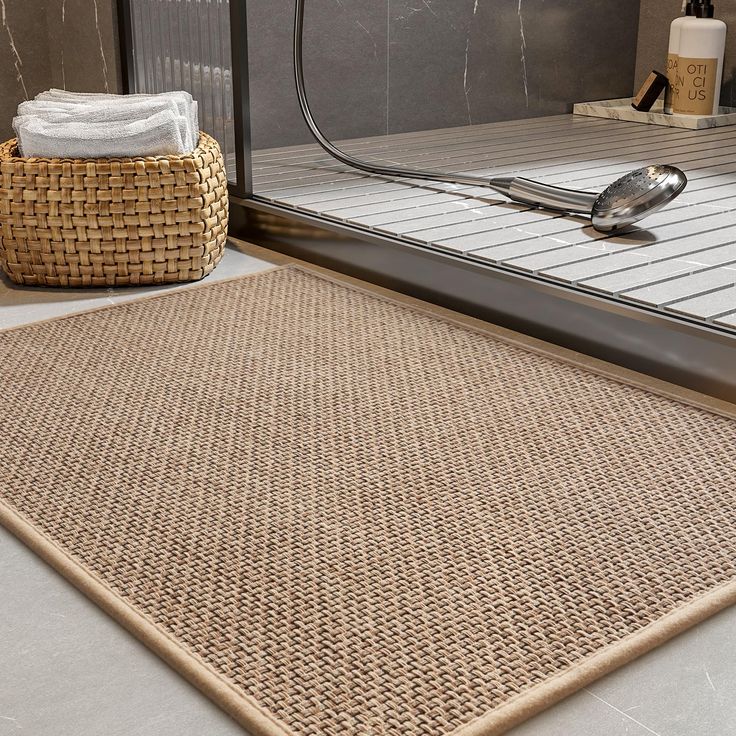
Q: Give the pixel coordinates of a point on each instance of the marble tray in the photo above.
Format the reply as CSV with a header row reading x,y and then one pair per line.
x,y
621,110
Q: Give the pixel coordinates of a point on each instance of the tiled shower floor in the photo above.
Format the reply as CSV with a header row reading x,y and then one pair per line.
x,y
681,260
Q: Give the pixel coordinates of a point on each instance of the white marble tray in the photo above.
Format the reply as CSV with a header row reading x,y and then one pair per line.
x,y
622,110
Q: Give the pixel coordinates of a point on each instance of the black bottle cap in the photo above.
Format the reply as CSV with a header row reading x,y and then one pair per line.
x,y
703,9
690,8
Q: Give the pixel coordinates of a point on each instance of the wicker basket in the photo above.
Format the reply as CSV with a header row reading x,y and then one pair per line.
x,y
112,222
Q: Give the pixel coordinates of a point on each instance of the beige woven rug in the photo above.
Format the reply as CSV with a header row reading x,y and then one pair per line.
x,y
341,515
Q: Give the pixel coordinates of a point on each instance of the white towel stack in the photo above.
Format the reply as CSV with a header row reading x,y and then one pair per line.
x,y
60,124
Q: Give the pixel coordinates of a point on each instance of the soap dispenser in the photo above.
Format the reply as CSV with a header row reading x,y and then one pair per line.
x,y
700,62
673,54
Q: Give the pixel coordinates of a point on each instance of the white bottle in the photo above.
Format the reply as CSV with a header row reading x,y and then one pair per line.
x,y
673,54
700,62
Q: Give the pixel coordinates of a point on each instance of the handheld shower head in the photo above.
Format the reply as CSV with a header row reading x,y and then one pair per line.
x,y
630,198
624,202
636,195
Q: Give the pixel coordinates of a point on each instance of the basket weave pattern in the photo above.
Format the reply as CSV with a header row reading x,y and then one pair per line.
x,y
408,527
112,222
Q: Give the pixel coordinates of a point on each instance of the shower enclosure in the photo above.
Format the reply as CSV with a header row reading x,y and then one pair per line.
x,y
480,87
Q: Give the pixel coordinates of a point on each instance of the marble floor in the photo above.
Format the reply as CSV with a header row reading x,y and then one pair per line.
x,y
67,669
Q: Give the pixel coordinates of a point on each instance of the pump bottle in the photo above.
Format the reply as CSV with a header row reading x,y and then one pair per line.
x,y
700,62
673,55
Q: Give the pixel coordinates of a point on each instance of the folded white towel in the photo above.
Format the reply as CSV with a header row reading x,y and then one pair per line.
x,y
186,105
98,112
158,135
64,94
63,112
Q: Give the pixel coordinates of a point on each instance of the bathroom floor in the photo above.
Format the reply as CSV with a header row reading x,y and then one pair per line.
x,y
68,669
681,260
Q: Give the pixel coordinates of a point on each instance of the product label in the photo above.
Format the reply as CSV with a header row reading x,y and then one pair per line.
x,y
671,92
695,86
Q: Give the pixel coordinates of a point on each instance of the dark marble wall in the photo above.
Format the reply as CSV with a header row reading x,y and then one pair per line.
x,y
387,66
654,34
373,66
70,44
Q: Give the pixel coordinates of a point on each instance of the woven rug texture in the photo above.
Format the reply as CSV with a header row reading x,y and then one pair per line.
x,y
366,519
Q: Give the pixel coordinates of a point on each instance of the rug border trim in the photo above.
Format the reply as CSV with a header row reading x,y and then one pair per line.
x,y
539,698
238,704
258,720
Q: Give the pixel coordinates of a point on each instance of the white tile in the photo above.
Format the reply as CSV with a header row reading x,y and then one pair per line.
x,y
416,215
630,278
727,320
707,306
460,218
684,287
403,204
569,152
593,265
504,226
541,259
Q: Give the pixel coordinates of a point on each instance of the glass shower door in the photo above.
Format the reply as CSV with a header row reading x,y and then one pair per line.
x,y
185,44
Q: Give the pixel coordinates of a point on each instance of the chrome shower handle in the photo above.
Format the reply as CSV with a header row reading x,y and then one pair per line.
x,y
545,195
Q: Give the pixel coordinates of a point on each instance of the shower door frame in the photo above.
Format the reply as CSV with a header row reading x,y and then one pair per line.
x,y
675,349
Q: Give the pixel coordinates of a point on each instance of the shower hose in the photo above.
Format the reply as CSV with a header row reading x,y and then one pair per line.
x,y
625,201
333,150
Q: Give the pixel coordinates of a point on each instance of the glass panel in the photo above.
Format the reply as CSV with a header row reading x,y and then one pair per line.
x,y
185,44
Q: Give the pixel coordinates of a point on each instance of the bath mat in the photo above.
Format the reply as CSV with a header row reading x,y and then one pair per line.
x,y
342,514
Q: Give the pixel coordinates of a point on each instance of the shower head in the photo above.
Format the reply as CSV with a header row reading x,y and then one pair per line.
x,y
623,203
629,199
636,195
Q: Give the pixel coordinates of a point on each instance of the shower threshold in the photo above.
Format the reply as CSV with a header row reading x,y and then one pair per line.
x,y
660,298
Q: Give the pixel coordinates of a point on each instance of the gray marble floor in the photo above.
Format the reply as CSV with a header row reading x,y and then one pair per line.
x,y
66,669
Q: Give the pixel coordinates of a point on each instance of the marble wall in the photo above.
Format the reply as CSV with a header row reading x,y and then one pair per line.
x,y
388,66
373,66
654,34
70,44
